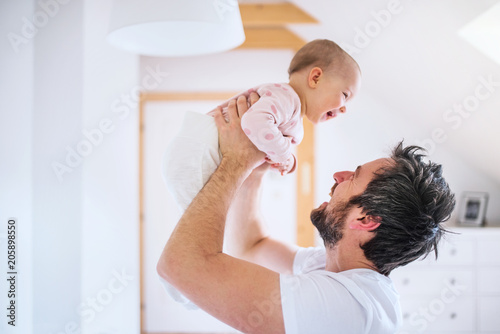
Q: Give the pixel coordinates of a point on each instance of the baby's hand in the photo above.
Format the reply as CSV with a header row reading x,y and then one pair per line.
x,y
284,168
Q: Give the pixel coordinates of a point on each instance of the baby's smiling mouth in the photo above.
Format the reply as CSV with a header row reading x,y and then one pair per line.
x,y
331,114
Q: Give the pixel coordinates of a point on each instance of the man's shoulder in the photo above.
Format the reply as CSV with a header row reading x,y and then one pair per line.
x,y
353,278
308,259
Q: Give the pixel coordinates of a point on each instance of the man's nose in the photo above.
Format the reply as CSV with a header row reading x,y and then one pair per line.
x,y
340,177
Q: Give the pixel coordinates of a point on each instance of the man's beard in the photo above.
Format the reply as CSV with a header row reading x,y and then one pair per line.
x,y
331,224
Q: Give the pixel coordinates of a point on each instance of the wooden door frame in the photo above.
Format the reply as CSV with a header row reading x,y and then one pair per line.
x,y
304,173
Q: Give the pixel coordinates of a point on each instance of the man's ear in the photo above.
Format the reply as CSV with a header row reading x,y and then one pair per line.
x,y
314,74
366,223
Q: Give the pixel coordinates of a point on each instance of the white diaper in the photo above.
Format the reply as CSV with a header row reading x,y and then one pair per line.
x,y
191,158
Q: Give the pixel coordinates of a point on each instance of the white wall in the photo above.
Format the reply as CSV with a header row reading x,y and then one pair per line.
x,y
16,193
231,71
57,206
110,222
78,225
43,111
417,69
369,130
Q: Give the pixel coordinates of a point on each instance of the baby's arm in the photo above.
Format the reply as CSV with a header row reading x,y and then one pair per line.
x,y
284,168
261,122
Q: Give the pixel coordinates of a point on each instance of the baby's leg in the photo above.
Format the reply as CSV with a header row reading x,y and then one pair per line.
x,y
189,161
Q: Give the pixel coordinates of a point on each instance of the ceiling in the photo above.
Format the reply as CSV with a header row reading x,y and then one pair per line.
x,y
416,64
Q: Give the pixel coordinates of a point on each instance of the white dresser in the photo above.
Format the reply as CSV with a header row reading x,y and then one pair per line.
x,y
458,293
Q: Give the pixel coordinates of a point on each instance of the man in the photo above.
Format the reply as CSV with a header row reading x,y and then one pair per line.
x,y
384,214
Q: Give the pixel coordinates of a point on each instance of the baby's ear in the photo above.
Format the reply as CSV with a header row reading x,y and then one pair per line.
x,y
314,76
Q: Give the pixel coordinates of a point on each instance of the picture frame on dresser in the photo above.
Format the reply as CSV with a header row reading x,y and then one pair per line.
x,y
473,209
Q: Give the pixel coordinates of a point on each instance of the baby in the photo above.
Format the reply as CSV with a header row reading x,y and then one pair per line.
x,y
322,79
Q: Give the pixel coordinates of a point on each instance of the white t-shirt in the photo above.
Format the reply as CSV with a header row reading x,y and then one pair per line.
x,y
316,301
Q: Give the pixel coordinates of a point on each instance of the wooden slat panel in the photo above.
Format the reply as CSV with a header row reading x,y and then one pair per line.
x,y
305,187
273,14
271,38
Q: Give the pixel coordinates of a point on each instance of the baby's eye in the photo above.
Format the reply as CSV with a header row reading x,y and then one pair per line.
x,y
345,95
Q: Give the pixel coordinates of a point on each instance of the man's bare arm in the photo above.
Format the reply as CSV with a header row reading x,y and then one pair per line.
x,y
192,260
246,235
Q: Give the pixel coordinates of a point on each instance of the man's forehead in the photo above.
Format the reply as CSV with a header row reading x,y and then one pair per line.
x,y
375,165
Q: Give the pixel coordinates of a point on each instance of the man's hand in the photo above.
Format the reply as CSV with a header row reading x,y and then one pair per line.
x,y
233,142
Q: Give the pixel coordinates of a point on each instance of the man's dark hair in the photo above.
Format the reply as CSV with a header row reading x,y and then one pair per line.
x,y
413,200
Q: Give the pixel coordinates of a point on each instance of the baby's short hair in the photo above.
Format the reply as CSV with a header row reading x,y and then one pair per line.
x,y
321,53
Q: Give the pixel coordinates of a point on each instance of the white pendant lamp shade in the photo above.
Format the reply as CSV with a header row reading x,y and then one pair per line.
x,y
174,28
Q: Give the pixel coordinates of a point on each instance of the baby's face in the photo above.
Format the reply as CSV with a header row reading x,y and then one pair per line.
x,y
331,94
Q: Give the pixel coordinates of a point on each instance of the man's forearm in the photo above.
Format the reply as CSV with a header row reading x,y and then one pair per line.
x,y
246,235
245,225
200,232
